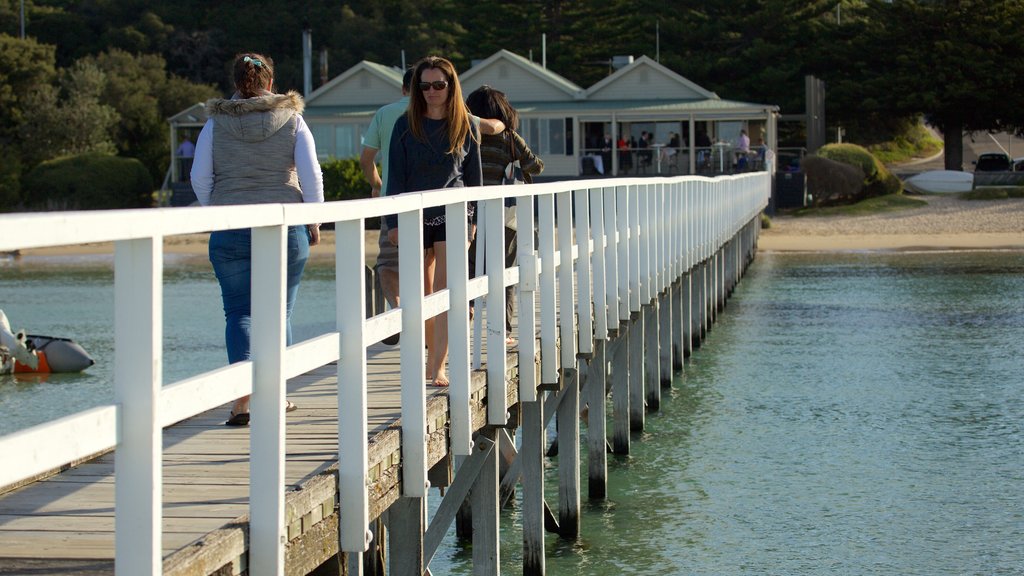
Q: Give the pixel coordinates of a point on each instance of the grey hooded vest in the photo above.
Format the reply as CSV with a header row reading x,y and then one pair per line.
x,y
254,149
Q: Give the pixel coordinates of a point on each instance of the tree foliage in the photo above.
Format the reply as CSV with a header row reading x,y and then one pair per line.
x,y
885,62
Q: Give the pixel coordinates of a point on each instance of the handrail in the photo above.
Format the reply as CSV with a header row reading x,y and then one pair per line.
x,y
613,243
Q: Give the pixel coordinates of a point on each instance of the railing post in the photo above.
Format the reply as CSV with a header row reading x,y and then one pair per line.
x,y
566,289
352,400
494,246
548,325
528,279
458,330
411,354
138,368
267,432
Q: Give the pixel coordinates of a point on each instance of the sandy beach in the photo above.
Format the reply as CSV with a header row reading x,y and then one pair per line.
x,y
945,223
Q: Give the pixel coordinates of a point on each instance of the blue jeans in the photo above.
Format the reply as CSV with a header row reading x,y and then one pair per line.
x,y
231,256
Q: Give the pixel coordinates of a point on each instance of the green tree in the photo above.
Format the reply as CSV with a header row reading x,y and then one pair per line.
x,y
142,92
27,65
951,60
68,121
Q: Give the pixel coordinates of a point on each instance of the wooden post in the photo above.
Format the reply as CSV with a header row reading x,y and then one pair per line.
x,y
635,372
484,497
597,451
532,454
652,355
569,456
405,532
667,336
620,391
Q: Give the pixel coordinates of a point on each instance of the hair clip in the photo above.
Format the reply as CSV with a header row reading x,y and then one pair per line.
x,y
254,62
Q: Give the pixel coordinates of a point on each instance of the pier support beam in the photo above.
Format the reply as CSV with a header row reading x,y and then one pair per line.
x,y
569,455
666,337
652,355
405,530
620,390
597,443
531,455
635,373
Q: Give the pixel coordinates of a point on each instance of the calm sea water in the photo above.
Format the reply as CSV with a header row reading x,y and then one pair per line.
x,y
848,414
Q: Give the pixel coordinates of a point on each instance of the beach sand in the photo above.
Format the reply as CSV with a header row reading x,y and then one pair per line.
x,y
945,223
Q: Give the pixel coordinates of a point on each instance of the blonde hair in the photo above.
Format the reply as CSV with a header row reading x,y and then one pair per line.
x,y
456,113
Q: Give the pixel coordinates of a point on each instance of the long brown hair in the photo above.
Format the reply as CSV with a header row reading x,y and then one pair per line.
x,y
252,74
456,113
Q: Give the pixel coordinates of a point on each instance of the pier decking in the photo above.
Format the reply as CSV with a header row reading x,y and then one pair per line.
x,y
623,281
64,524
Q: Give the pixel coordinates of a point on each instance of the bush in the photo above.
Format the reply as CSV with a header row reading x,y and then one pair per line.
x,y
91,181
830,182
343,180
878,181
10,184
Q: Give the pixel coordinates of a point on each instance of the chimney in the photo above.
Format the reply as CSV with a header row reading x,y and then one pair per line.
x,y
621,61
307,61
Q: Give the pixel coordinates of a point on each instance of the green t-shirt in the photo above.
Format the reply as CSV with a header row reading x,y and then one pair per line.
x,y
378,135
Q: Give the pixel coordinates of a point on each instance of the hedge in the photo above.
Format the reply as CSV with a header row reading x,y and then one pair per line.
x,y
878,181
92,181
830,182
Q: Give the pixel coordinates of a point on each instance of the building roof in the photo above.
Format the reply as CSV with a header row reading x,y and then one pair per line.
x,y
646,77
519,78
365,83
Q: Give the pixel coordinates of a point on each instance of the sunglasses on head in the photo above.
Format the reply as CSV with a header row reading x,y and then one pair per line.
x,y
436,84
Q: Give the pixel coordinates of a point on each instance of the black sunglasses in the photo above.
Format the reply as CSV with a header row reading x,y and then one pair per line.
x,y
437,84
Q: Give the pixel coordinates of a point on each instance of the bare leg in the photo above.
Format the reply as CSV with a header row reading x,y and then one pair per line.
x,y
389,285
428,288
438,353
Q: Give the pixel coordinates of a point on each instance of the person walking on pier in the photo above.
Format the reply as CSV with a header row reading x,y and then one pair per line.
x,y
434,145
255,149
496,154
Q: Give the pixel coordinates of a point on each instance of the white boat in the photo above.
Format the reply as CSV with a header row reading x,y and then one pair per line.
x,y
941,182
20,352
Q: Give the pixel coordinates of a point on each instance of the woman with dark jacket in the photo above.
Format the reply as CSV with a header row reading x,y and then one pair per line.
x,y
434,145
495,154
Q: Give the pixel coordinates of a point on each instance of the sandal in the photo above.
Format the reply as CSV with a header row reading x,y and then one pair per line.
x,y
240,419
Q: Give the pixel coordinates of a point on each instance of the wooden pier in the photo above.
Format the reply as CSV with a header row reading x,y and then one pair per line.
x,y
630,347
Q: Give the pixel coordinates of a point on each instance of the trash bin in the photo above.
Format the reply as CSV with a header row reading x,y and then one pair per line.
x,y
790,189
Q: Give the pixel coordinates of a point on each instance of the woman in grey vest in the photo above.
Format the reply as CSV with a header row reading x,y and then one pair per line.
x,y
254,149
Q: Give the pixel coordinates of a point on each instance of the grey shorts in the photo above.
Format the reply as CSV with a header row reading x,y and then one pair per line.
x,y
388,256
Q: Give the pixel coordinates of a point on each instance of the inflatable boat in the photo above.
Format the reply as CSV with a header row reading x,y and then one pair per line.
x,y
27,353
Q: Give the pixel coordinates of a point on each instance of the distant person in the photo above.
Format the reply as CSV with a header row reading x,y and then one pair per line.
x,y
625,155
255,149
434,145
377,144
644,155
496,152
186,153
742,150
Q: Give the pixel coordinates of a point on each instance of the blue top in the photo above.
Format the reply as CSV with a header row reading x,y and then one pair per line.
x,y
415,165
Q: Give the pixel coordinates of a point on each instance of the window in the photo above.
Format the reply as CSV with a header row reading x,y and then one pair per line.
x,y
549,136
337,140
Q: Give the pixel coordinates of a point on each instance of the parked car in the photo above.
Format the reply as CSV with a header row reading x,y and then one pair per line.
x,y
1018,164
992,162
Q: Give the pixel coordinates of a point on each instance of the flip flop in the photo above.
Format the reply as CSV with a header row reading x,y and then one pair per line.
x,y
240,419
290,406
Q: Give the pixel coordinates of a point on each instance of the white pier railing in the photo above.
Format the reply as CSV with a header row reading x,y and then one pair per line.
x,y
614,243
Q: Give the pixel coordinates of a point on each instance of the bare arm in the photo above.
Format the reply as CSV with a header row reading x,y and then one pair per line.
x,y
367,161
491,126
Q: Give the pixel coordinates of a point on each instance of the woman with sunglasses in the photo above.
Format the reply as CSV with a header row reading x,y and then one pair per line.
x,y
434,145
